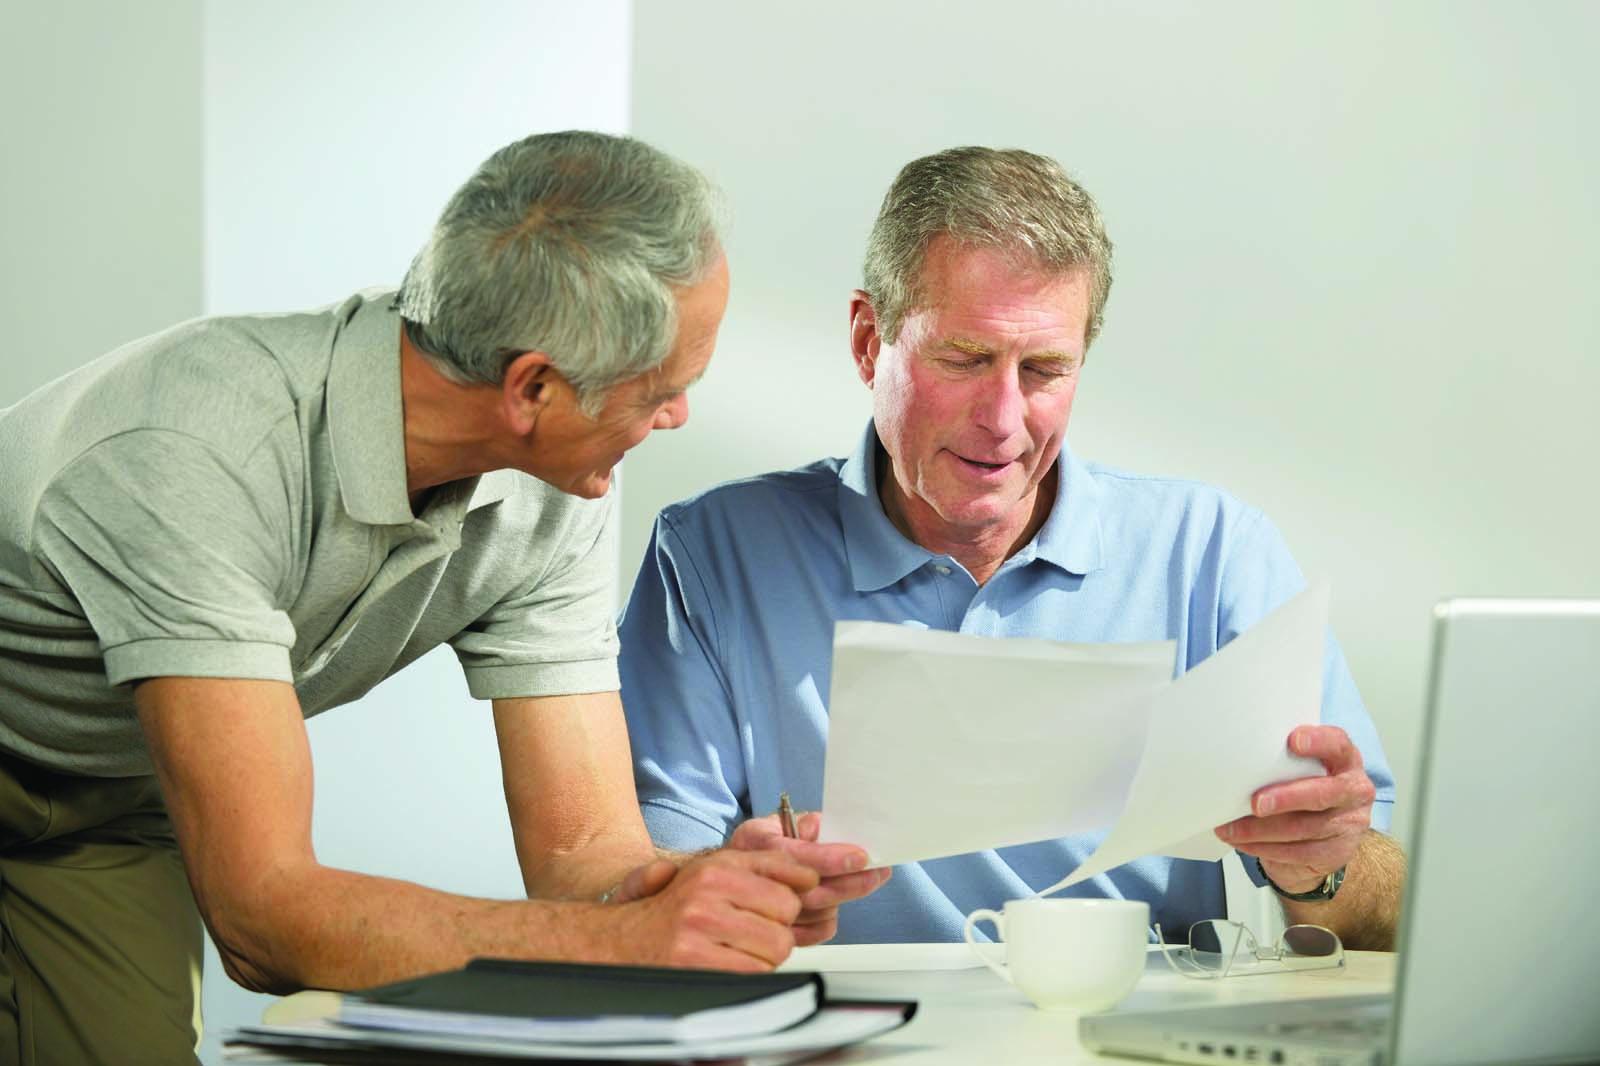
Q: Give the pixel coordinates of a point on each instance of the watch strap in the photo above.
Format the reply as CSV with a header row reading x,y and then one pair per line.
x,y
1321,894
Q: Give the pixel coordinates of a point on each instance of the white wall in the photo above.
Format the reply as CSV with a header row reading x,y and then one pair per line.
x,y
334,133
100,191
1356,252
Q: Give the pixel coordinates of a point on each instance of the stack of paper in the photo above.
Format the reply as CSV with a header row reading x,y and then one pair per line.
x,y
498,1009
941,743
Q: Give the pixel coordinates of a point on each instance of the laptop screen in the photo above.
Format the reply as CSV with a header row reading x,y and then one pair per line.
x,y
1500,931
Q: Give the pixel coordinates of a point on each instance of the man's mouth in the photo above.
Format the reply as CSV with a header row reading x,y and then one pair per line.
x,y
981,466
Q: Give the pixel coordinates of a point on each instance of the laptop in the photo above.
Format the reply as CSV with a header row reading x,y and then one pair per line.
x,y
1499,942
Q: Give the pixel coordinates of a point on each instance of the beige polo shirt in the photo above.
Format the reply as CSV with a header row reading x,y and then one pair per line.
x,y
228,499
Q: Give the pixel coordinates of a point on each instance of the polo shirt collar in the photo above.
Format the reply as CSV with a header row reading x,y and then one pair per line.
x,y
880,555
1071,536
366,422
493,487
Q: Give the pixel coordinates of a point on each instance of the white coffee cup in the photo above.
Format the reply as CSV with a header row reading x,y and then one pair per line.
x,y
1068,954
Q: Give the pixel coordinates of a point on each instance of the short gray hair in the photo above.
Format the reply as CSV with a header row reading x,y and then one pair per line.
x,y
569,244
1007,199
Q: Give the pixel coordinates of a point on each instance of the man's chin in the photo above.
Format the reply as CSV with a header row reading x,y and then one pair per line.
x,y
973,517
592,487
588,487
981,508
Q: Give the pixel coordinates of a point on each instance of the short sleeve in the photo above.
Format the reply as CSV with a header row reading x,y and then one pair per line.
x,y
554,634
688,759
1260,574
177,555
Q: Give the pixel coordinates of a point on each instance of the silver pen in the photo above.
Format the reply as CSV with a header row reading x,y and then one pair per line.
x,y
786,816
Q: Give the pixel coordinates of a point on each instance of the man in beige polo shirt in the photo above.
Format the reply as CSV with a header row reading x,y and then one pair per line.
x,y
215,532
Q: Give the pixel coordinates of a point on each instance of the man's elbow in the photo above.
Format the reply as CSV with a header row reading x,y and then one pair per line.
x,y
255,974
257,940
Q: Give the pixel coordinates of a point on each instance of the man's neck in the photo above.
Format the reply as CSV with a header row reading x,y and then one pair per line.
x,y
449,428
981,550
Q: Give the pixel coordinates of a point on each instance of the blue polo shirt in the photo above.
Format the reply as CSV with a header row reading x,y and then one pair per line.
x,y
727,653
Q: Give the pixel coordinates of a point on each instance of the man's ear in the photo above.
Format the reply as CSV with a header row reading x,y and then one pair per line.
x,y
531,385
864,340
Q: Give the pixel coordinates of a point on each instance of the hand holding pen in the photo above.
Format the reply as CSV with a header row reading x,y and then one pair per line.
x,y
842,867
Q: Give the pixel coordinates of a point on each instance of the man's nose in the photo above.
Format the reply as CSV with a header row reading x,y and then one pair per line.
x,y
1001,405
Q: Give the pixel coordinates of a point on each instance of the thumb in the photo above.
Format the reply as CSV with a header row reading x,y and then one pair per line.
x,y
755,834
644,881
810,825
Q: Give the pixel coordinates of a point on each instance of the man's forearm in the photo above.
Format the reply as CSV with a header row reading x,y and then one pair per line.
x,y
568,777
335,929
588,871
1366,912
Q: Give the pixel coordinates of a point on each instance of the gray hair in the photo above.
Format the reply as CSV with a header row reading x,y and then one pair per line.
x,y
1007,199
569,244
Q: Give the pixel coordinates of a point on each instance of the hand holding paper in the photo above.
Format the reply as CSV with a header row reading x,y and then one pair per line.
x,y
1303,830
941,743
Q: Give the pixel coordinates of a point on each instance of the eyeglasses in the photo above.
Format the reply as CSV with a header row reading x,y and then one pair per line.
x,y
1218,948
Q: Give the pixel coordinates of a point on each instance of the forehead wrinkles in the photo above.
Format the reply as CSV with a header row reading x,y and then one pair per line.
x,y
977,284
1032,317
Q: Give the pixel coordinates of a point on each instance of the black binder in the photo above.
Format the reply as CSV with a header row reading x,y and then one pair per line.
x,y
585,1003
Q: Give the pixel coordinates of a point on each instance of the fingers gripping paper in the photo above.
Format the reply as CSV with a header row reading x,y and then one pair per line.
x,y
941,743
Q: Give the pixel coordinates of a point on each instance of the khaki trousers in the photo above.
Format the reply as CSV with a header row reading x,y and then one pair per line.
x,y
100,942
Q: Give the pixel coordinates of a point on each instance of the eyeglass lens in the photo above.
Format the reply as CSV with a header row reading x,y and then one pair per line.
x,y
1212,944
1307,946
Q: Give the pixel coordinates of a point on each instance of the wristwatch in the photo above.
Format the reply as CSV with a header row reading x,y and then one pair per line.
x,y
1321,894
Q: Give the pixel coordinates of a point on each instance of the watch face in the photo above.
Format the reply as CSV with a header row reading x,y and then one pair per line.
x,y
1325,891
1330,887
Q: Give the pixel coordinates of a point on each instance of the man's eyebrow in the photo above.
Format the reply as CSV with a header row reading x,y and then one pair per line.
x,y
663,395
1064,358
970,347
961,344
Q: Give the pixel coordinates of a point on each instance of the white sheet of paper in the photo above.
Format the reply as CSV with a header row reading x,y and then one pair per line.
x,y
1217,734
941,743
882,958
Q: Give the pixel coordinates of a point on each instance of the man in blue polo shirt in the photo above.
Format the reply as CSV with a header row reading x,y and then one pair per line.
x,y
960,508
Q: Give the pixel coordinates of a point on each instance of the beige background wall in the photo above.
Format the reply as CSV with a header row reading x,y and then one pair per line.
x,y
1357,247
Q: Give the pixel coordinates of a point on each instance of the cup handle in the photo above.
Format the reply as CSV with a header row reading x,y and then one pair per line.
x,y
970,926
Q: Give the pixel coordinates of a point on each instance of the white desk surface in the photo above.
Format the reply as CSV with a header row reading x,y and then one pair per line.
x,y
966,1015
970,1016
